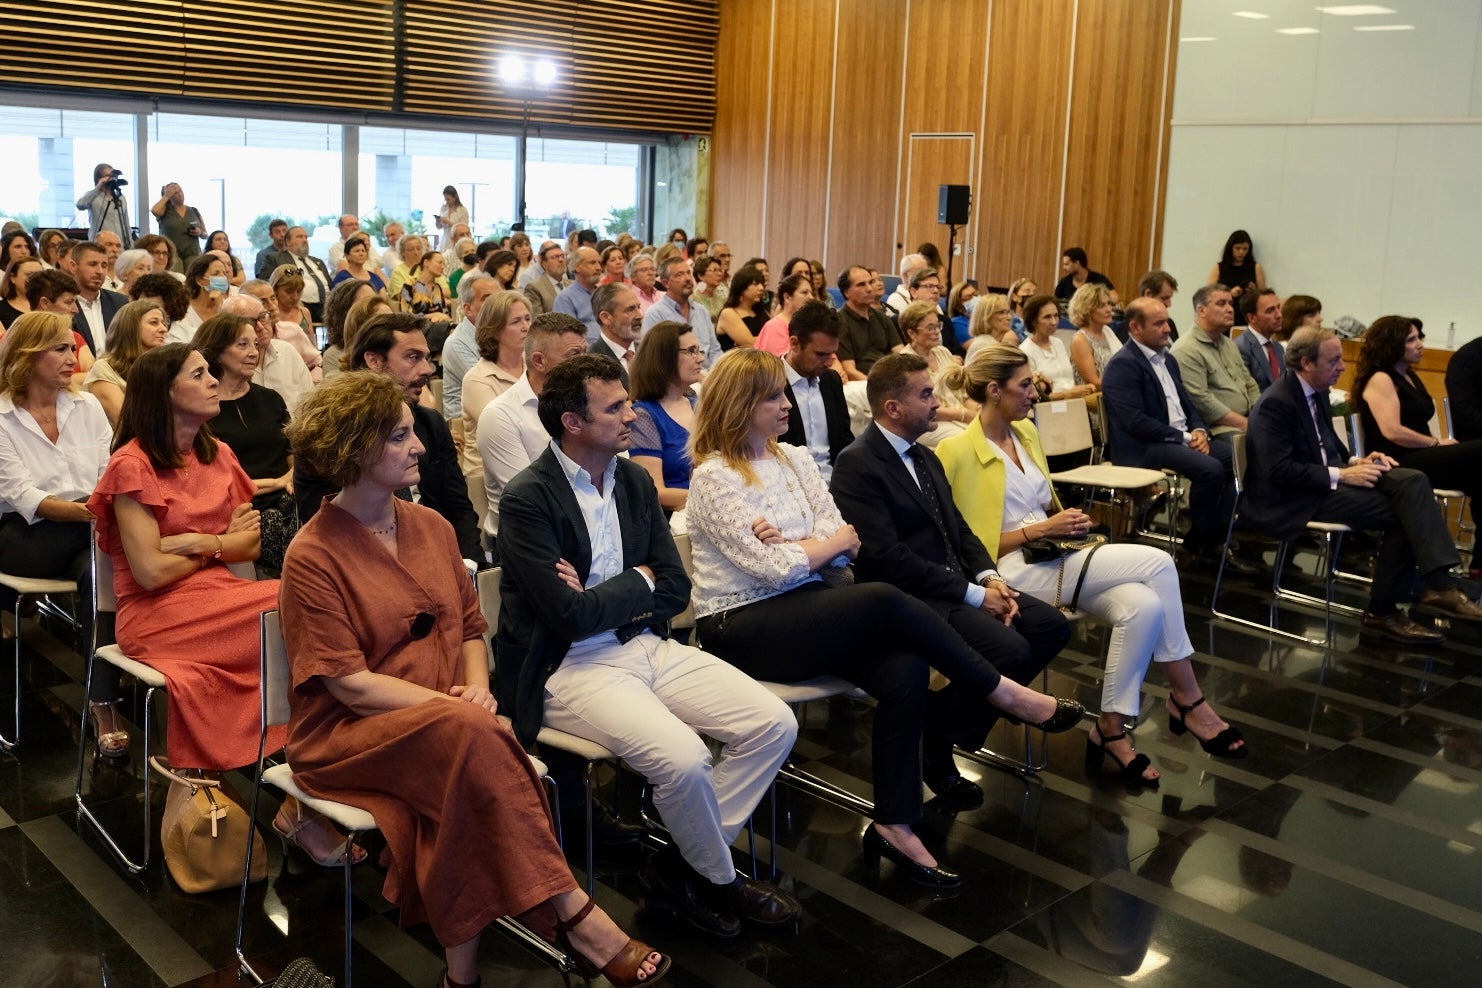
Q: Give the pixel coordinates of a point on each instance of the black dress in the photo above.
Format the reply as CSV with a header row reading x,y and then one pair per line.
x,y
1454,467
753,323
1241,276
252,426
8,313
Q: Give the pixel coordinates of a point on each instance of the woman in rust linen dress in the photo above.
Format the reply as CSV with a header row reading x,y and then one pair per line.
x,y
391,710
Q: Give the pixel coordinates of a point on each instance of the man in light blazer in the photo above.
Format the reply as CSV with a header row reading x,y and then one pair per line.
x,y
1264,357
912,536
1154,424
591,578
545,286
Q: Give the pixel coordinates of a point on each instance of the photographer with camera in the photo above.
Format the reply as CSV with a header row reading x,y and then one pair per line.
x,y
182,225
107,209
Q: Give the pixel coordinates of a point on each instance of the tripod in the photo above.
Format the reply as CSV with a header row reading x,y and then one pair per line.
x,y
115,202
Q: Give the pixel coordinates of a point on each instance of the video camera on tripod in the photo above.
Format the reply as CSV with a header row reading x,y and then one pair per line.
x,y
116,183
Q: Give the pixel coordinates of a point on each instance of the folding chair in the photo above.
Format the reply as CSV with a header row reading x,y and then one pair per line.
x,y
42,591
1173,480
1463,526
1065,427
277,684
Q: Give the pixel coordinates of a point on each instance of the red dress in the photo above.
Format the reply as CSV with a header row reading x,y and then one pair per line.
x,y
450,787
201,632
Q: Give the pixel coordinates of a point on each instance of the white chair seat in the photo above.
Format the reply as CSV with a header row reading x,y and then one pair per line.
x,y
1109,475
580,747
148,675
1327,526
813,689
1445,492
30,587
349,817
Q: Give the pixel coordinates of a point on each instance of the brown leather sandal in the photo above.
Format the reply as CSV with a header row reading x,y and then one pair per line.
x,y
624,970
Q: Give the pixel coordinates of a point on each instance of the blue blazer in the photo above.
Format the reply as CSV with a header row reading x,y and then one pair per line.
x,y
1255,358
1136,409
1286,476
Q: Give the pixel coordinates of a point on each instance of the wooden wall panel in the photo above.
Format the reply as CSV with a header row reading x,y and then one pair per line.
x,y
1116,133
738,160
931,162
1017,195
801,92
866,125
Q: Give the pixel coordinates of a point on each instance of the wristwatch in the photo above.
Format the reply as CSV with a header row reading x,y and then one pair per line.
x,y
219,547
990,576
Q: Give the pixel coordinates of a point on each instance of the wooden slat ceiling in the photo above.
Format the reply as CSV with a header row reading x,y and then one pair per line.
x,y
621,64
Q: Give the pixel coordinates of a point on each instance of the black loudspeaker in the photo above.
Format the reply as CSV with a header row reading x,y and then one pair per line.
x,y
953,204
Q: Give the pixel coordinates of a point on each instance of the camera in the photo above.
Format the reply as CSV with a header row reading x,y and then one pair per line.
x,y
117,182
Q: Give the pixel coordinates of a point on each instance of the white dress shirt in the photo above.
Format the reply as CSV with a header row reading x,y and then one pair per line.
x,y
510,437
93,313
599,512
32,467
1176,417
815,418
283,370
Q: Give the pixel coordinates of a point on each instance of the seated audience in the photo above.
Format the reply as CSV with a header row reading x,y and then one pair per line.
x,y
218,241
664,375
1396,410
614,265
547,279
358,264
921,325
992,321
130,266
461,349
868,332
911,264
162,253
1077,272
1264,357
465,253
1159,285
820,284
54,445
763,528
677,305
13,302
960,311
207,285
162,289
369,704
503,324
1048,357
820,422
745,311
503,266
1000,482
1214,372
643,275
360,312
412,248
576,298
1020,291
56,291
279,367
336,308
1094,343
794,292
1464,386
1301,471
138,327
1298,311
424,295
251,422
591,578
621,318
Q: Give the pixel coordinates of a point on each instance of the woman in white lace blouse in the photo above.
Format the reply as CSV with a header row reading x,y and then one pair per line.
x,y
765,532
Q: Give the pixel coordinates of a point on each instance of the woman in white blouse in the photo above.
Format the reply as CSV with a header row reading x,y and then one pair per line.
x,y
54,445
1048,357
764,532
1000,483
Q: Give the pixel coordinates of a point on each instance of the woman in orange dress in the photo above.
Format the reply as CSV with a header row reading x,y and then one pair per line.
x,y
391,709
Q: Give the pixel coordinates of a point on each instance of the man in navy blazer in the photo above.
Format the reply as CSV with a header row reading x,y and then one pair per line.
x,y
95,304
1154,424
1264,357
591,578
1300,471
934,555
820,421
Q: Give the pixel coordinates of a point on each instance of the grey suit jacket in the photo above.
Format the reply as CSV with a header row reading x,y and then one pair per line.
x,y
1256,360
542,294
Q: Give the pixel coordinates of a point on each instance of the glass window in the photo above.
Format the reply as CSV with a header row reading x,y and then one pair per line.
x,y
49,156
240,173
593,183
403,174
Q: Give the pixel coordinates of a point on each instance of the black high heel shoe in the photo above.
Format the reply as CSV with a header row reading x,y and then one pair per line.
x,y
875,846
1068,714
1222,745
1131,772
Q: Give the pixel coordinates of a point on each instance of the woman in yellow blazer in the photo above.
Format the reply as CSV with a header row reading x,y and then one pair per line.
x,y
1000,483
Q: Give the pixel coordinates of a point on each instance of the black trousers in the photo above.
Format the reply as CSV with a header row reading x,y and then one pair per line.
x,y
873,635
1211,484
1457,468
55,550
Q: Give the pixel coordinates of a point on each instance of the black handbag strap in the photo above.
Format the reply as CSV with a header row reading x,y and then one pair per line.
x,y
1075,598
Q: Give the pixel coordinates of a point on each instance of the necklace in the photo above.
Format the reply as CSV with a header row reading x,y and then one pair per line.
x,y
384,531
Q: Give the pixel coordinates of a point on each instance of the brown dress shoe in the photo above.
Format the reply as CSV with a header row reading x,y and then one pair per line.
x,y
1450,603
1398,627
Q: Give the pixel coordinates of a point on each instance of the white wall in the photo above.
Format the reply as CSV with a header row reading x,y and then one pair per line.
x,y
1354,158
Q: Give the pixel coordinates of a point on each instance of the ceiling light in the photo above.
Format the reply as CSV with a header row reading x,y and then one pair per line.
x,y
1252,15
1355,10
1296,30
1384,27
1202,37
545,72
512,69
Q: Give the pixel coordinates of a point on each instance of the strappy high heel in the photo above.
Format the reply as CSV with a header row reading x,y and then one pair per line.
x,y
289,837
1222,745
623,971
110,744
1131,772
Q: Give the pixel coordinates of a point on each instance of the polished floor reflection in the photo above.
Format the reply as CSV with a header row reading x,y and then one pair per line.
x,y
1347,850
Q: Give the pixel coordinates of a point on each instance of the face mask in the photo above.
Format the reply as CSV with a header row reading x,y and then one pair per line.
x,y
219,284
470,258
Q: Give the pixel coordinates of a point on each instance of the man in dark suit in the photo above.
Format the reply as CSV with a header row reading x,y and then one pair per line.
x,y
316,274
1264,357
616,307
1156,284
542,290
820,415
896,495
591,578
394,343
95,304
1154,424
1300,471
269,257
1464,386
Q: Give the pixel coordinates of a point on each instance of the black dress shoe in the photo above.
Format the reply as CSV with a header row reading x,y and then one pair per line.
x,y
875,847
955,793
1235,563
756,902
608,830
1397,627
679,895
1068,714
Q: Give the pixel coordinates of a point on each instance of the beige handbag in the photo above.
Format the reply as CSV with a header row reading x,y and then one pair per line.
x,y
204,834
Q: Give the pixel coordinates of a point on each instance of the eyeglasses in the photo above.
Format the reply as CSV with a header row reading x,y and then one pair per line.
x,y
264,316
691,351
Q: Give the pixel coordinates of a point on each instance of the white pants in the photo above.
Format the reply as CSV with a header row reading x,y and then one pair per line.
x,y
1133,588
645,700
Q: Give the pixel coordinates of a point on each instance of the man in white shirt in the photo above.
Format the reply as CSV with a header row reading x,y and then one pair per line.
x,y
820,419
350,225
591,578
901,297
95,305
620,316
509,432
678,277
278,365
391,256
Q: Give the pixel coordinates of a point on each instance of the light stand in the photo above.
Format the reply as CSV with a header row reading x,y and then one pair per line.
x,y
951,250
527,80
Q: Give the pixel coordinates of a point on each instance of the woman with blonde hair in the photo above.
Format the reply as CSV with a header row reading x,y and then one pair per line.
x,y
136,328
990,322
1021,291
54,445
1000,483
503,323
764,532
413,247
1094,343
360,310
